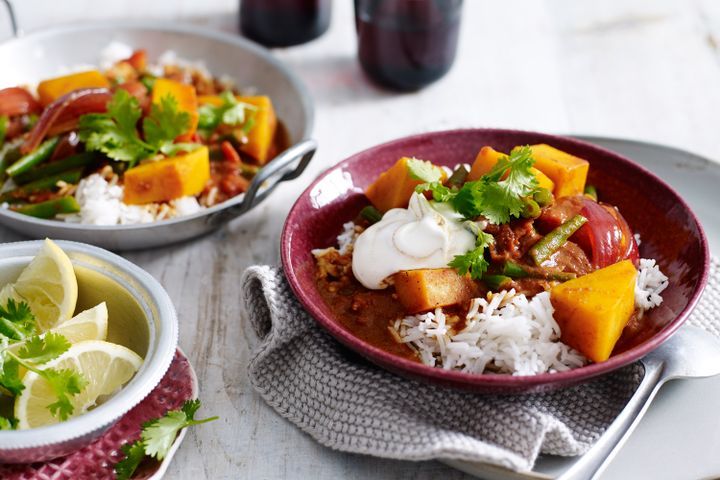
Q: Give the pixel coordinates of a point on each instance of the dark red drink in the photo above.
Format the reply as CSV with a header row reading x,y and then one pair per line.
x,y
407,44
282,23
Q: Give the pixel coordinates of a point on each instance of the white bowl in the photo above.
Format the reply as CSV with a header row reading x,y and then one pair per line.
x,y
141,317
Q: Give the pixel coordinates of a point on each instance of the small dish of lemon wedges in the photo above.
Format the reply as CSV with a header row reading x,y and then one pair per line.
x,y
55,363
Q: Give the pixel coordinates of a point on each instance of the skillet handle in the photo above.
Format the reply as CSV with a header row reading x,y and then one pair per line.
x,y
13,18
286,166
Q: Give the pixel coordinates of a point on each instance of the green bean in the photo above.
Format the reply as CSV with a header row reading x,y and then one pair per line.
x,y
591,192
458,177
249,170
51,208
371,214
4,121
74,161
9,154
531,209
543,197
552,242
516,270
40,185
33,158
495,282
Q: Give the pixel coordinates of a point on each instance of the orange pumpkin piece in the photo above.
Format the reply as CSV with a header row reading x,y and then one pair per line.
x,y
568,172
427,289
167,179
488,157
186,99
593,310
394,187
54,88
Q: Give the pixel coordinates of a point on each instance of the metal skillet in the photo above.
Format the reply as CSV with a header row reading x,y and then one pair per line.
x,y
41,54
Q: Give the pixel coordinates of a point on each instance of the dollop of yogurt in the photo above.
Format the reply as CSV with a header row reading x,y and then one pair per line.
x,y
420,236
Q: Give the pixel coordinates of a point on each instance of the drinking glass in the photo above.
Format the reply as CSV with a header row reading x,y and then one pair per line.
x,y
407,44
282,23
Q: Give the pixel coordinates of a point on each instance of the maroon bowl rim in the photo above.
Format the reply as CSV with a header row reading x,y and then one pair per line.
x,y
494,381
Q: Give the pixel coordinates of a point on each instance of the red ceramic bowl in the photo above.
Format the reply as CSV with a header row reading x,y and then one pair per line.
x,y
670,233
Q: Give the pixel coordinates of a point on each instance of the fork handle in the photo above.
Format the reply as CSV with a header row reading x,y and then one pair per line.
x,y
594,462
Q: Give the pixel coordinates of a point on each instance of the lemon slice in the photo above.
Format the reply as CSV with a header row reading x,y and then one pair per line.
x,y
90,324
49,286
106,367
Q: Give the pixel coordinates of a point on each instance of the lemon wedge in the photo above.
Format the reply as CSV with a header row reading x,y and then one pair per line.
x,y
48,285
106,367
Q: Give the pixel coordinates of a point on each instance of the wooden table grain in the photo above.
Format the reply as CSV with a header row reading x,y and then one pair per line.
x,y
639,69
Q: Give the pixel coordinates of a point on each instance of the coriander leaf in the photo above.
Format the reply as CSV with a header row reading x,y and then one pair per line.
x,y
423,170
440,192
230,112
165,123
17,321
190,407
158,435
115,133
8,423
172,149
10,376
134,455
473,262
499,194
64,383
39,350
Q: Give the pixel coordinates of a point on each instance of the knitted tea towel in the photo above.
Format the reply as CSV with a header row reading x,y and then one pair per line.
x,y
348,404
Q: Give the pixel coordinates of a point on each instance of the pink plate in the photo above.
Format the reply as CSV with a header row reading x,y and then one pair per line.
x,y
97,460
670,233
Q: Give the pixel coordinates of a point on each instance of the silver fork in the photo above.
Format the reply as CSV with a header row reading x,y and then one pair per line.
x,y
690,353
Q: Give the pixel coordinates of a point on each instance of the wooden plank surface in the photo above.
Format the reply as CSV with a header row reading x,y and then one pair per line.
x,y
627,68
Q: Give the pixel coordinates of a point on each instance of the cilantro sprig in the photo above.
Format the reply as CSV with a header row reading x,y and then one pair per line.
x,y
498,195
230,112
18,324
157,437
115,133
16,321
474,262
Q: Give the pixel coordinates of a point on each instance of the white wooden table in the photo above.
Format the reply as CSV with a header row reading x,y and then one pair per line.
x,y
645,69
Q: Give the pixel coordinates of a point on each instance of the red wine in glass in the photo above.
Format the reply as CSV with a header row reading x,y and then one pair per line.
x,y
282,23
407,44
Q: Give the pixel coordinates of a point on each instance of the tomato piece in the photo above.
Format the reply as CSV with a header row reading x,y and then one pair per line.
x,y
606,238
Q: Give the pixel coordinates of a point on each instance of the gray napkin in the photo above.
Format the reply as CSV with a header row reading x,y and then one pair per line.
x,y
348,404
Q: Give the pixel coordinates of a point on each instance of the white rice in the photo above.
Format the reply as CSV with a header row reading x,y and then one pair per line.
x,y
506,333
649,284
101,204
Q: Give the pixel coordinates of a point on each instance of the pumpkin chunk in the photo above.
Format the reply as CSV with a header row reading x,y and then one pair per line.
x,y
168,179
592,310
568,172
427,289
394,187
54,88
184,95
261,135
488,157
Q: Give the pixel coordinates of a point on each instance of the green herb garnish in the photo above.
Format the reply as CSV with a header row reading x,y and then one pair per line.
x,y
116,135
424,171
157,437
231,112
474,262
17,323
